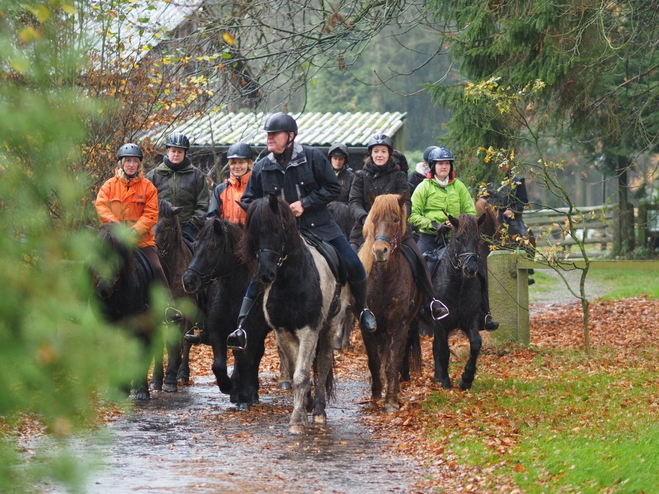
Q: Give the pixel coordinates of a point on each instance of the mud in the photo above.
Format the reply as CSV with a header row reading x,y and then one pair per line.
x,y
196,441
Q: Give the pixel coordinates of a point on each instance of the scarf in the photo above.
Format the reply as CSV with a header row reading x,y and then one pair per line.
x,y
176,167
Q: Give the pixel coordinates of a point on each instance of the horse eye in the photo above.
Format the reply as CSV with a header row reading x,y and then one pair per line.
x,y
396,220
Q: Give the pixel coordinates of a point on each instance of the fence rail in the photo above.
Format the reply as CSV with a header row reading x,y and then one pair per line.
x,y
550,226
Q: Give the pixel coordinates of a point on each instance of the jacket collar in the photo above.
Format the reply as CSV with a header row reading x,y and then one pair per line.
x,y
297,158
239,181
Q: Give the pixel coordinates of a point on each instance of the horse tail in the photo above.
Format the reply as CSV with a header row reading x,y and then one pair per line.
x,y
414,348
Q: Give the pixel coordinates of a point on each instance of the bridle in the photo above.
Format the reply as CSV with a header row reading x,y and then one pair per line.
x,y
393,241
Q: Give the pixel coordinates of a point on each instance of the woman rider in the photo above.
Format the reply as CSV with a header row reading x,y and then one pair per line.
x,y
381,175
440,195
129,198
304,178
227,196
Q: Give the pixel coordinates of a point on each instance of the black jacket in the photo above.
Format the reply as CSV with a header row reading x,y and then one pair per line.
x,y
387,179
345,178
309,178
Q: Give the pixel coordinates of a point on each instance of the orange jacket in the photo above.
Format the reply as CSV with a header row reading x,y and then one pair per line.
x,y
227,195
133,202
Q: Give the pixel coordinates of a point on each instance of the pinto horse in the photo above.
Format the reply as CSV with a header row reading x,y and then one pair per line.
x,y
302,302
457,284
123,293
218,274
392,296
175,256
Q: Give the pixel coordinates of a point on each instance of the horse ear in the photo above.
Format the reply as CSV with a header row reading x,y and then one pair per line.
x,y
454,221
176,210
371,197
243,205
402,199
481,218
274,204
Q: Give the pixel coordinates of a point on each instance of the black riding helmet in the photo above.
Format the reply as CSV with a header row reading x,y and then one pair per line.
x,y
177,140
338,149
130,150
426,153
280,122
240,150
380,140
440,154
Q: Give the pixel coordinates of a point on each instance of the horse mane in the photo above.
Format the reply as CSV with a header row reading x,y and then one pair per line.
x,y
491,223
118,247
264,216
467,225
383,204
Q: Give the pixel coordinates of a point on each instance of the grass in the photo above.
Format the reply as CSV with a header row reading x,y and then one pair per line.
x,y
554,422
617,284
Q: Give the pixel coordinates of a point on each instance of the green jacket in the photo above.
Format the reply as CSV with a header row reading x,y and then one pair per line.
x,y
186,188
432,202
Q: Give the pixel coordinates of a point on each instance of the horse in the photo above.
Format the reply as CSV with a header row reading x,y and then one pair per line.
x,y
340,212
392,296
124,297
456,283
221,277
302,302
175,256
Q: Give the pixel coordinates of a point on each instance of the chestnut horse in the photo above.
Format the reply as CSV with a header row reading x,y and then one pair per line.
x,y
392,296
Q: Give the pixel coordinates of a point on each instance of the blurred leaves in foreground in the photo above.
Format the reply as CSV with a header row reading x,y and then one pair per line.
x,y
58,359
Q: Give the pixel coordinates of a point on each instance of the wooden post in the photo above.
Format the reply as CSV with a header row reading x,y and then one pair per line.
x,y
509,296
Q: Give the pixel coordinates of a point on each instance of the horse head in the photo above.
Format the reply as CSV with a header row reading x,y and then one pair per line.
x,y
385,225
214,254
462,252
119,262
167,230
271,235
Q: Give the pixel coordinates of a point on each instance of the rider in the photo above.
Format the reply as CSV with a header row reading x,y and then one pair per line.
x,y
338,155
421,170
227,196
440,195
381,175
130,199
304,178
182,184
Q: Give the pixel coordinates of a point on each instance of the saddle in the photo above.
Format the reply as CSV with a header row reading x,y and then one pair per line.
x,y
433,259
327,250
140,258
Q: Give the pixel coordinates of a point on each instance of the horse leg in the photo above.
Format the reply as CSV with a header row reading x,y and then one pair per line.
x,y
301,349
245,376
174,358
219,366
373,352
157,376
475,343
285,369
324,376
183,373
393,364
141,383
440,353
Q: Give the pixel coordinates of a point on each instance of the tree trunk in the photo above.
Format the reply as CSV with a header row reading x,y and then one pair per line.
x,y
624,241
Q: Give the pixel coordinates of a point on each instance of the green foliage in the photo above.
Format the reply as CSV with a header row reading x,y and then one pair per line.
x,y
58,358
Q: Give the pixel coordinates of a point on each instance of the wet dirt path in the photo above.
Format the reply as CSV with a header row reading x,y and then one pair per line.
x,y
196,441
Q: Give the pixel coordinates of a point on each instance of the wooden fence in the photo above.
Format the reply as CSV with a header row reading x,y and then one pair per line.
x,y
550,226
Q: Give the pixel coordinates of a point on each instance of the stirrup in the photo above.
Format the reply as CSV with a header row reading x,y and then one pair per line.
x,y
442,310
173,315
237,340
364,324
489,323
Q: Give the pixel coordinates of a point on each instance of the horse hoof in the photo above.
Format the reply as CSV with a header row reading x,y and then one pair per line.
x,y
464,386
391,408
155,386
141,396
297,429
169,388
285,385
320,418
242,407
183,378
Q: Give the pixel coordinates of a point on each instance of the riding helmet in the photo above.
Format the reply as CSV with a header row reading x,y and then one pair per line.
x,y
440,154
380,140
129,150
280,122
240,150
177,140
338,149
426,153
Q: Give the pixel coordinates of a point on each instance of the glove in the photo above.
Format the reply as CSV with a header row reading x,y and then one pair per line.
x,y
436,226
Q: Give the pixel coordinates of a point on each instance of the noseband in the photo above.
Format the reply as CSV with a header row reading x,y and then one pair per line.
x,y
280,255
464,258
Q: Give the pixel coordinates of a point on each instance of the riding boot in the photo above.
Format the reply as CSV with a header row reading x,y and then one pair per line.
x,y
366,318
237,340
423,280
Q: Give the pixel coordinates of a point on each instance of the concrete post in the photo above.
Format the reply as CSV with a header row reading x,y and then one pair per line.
x,y
509,296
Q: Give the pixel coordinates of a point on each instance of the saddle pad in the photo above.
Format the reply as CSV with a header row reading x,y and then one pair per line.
x,y
144,261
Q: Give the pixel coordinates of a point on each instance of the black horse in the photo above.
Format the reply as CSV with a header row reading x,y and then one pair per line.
x,y
175,255
220,277
122,288
302,302
457,284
